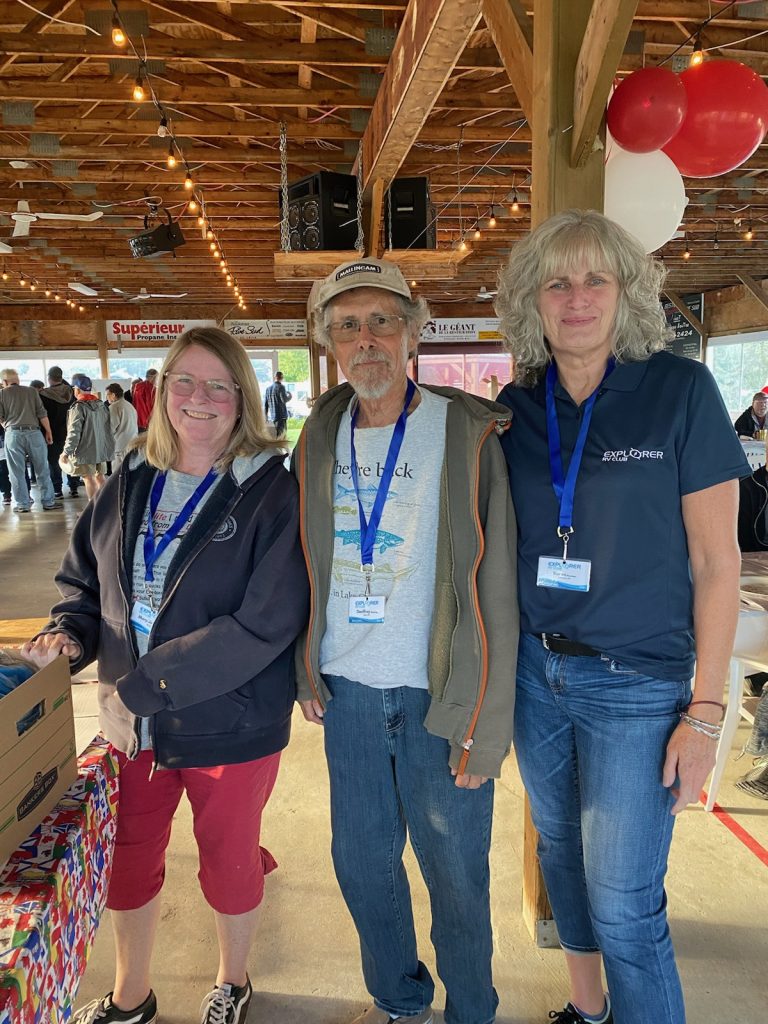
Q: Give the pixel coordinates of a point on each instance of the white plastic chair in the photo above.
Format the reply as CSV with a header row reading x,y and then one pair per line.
x,y
734,710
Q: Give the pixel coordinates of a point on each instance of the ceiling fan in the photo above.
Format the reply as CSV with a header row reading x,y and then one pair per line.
x,y
23,218
144,295
484,295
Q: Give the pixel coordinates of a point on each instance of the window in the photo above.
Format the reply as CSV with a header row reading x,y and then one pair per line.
x,y
469,371
739,364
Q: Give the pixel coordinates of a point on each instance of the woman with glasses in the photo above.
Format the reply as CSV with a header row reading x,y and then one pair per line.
x,y
169,581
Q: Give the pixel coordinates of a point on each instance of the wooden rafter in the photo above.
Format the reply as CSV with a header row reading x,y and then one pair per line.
x,y
599,57
427,49
681,307
512,33
755,289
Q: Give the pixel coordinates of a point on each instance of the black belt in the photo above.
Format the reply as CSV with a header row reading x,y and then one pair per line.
x,y
558,644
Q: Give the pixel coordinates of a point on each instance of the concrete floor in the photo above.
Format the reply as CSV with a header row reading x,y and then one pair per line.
x,y
305,963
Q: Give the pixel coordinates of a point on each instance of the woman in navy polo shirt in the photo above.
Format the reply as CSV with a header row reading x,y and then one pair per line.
x,y
623,467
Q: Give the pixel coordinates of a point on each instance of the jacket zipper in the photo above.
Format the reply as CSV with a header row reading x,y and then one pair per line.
x,y
468,740
126,605
305,549
163,605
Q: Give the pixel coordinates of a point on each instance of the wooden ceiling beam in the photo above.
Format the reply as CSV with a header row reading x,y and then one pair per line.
x,y
755,289
214,96
36,25
427,49
512,33
336,21
262,51
601,50
203,15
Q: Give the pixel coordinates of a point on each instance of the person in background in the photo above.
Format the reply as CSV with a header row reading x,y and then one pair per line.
x,y
5,480
89,444
57,398
408,661
276,399
143,398
22,414
123,420
624,470
753,418
171,580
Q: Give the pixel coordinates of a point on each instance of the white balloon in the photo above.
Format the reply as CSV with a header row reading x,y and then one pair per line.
x,y
644,192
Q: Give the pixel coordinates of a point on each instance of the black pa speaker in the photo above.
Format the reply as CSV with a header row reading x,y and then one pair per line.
x,y
322,212
412,215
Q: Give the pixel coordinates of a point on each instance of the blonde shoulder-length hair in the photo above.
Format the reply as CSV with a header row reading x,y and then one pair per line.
x,y
249,436
558,246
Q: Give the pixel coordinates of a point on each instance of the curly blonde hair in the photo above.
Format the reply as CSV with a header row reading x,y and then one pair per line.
x,y
558,246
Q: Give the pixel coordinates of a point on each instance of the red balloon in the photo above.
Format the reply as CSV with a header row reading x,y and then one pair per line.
x,y
647,109
726,121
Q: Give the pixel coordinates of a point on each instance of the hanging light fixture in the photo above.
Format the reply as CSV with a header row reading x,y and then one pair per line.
x,y
118,35
697,56
138,89
188,183
171,161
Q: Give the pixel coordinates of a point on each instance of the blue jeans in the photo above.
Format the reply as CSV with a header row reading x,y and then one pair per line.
x,y
389,775
18,445
590,737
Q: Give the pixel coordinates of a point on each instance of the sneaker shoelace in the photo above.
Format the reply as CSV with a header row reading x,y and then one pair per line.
x,y
566,1016
92,1012
217,1008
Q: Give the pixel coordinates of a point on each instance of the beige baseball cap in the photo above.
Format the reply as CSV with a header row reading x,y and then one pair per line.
x,y
362,273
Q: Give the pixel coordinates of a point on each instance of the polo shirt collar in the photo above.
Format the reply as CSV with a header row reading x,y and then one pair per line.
x,y
625,377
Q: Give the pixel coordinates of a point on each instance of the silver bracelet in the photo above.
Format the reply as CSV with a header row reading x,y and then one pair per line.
x,y
708,729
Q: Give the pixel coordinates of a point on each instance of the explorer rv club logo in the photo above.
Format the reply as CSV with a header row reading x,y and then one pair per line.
x,y
628,454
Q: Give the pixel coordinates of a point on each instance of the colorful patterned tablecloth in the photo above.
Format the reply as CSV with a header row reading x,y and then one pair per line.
x,y
52,893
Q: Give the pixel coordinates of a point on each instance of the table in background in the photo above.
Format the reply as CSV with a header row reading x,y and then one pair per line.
x,y
52,893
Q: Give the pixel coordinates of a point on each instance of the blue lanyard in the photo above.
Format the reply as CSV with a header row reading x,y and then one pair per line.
x,y
369,528
153,551
564,484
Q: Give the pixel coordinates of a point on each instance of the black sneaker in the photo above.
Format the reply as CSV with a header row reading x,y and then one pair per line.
x,y
570,1015
102,1011
58,494
6,499
226,1004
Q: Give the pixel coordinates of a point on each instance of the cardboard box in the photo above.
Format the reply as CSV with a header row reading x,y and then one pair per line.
x,y
37,763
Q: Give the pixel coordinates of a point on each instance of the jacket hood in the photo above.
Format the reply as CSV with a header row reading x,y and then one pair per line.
x,y
243,468
61,392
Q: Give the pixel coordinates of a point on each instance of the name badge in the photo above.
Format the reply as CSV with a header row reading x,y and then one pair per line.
x,y
368,610
571,574
142,617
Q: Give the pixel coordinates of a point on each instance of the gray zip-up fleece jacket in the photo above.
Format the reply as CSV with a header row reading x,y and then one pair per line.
x,y
89,434
475,622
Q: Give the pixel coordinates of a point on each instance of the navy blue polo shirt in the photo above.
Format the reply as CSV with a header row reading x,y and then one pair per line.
x,y
659,430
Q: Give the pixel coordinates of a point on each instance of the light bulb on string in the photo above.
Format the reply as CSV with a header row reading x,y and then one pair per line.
x,y
57,297
223,268
223,264
201,222
22,282
749,233
209,233
171,161
212,245
33,287
462,246
118,35
81,308
192,206
215,254
188,183
162,128
477,234
697,56
492,219
47,293
687,250
138,89
5,275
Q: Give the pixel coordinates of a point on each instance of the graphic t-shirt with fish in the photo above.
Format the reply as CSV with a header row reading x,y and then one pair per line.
x,y
393,652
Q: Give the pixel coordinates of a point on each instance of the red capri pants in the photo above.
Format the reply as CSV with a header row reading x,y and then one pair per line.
x,y
227,803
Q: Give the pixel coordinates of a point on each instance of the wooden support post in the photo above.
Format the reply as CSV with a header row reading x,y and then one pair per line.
x,y
559,31
333,369
101,343
314,348
679,304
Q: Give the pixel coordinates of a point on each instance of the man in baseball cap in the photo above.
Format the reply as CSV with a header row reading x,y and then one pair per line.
x,y
409,657
89,445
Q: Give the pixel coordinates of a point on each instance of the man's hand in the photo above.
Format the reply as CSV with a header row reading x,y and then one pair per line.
x,y
48,647
468,781
312,711
49,438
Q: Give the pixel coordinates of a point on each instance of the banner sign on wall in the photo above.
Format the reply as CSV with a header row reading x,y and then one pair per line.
x,y
687,340
266,330
152,332
471,328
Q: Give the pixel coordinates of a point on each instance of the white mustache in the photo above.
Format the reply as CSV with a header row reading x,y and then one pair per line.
x,y
374,356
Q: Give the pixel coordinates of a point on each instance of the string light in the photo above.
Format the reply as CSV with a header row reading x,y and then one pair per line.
x,y
201,222
118,36
171,161
47,293
81,308
749,233
209,233
5,275
687,251
224,268
22,282
33,287
697,57
492,218
188,183
477,234
162,128
57,297
413,284
462,246
192,206
216,254
138,89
